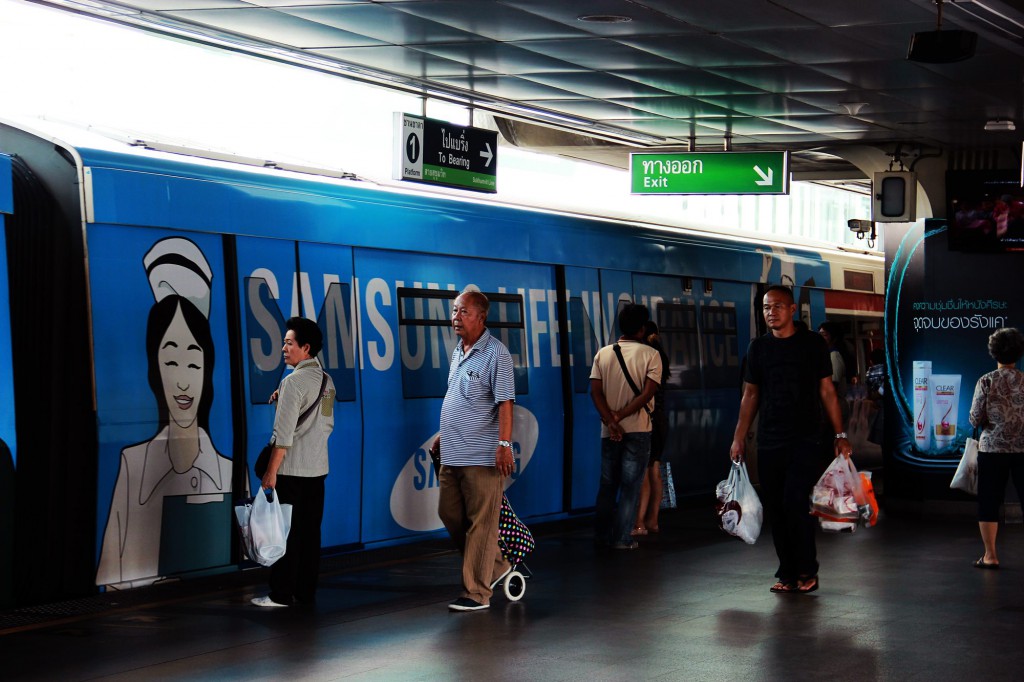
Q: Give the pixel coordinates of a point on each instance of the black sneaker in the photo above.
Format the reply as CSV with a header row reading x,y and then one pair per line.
x,y
466,604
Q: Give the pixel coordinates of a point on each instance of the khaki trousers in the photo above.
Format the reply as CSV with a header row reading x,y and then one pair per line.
x,y
469,506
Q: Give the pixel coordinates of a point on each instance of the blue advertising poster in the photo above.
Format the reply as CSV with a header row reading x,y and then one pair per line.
x,y
161,349
406,343
941,307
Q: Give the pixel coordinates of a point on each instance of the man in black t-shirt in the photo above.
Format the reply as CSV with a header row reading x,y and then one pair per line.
x,y
788,380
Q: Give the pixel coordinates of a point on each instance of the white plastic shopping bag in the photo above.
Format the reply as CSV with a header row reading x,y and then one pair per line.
x,y
966,476
264,524
739,508
838,499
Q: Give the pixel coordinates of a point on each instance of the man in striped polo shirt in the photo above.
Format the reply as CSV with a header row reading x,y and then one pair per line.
x,y
476,428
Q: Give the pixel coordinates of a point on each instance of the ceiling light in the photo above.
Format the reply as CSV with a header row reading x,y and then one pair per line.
x,y
605,18
1000,126
853,108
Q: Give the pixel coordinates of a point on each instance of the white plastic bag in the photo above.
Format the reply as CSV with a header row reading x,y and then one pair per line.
x,y
264,524
838,497
739,508
966,476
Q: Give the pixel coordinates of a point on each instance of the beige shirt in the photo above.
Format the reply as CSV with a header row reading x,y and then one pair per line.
x,y
643,362
307,444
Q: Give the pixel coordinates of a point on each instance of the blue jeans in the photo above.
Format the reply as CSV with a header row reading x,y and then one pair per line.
x,y
623,464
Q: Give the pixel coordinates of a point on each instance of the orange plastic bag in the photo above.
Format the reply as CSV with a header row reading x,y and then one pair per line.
x,y
869,508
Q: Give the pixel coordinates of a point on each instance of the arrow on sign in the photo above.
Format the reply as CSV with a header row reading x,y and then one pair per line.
x,y
488,154
765,179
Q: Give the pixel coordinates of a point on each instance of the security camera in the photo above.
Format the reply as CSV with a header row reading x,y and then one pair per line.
x,y
860,226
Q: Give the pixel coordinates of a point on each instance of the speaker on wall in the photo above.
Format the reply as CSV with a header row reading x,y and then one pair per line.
x,y
942,47
894,197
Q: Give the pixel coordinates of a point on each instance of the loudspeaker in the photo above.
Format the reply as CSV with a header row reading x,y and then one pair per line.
x,y
894,197
942,47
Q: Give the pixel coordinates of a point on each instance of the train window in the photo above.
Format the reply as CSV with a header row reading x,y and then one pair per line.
x,y
721,355
584,344
339,351
427,340
681,341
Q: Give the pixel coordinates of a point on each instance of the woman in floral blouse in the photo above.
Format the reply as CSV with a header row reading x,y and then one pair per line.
x,y
998,409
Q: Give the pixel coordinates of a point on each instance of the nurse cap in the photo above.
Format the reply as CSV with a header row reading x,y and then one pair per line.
x,y
176,266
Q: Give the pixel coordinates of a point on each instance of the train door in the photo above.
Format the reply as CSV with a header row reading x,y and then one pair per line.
x,y
405,305
277,280
162,360
8,450
583,296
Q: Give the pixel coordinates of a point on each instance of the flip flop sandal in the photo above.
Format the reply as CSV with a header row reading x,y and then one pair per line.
x,y
804,589
981,563
783,588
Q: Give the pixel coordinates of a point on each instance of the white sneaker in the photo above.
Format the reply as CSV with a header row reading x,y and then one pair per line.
x,y
268,602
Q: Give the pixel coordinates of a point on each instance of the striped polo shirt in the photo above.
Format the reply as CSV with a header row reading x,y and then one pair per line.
x,y
477,382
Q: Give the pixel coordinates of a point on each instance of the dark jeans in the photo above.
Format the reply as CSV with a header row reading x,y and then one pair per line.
x,y
788,475
994,470
623,464
296,573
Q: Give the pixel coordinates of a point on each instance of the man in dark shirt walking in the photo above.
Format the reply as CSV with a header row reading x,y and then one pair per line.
x,y
789,381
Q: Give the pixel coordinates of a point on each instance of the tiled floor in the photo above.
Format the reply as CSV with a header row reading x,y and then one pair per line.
x,y
897,602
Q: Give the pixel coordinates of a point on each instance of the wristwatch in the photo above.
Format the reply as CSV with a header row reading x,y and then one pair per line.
x,y
505,443
841,434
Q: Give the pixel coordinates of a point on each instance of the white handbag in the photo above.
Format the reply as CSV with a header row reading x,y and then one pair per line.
x,y
966,476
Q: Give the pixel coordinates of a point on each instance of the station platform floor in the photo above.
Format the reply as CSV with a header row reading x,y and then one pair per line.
x,y
900,601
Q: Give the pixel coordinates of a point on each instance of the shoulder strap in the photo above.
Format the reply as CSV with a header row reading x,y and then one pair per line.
x,y
309,410
629,379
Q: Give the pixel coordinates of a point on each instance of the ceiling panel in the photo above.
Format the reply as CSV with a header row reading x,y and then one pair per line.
x,y
271,25
404,60
382,23
644,21
504,58
595,84
597,54
493,20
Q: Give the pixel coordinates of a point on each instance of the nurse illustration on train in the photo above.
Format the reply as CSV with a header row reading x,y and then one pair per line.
x,y
172,494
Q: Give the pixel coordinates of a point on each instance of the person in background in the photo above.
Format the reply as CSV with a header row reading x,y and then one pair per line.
x,y
651,490
476,429
833,335
619,372
788,381
998,410
298,463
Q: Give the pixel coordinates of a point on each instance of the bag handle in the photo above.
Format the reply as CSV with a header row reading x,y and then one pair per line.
x,y
629,379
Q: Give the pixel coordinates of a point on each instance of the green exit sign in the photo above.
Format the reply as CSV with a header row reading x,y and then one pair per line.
x,y
710,173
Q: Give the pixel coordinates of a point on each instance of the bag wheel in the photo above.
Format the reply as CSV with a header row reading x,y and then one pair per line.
x,y
515,586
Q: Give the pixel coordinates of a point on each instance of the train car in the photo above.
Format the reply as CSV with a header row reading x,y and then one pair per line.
x,y
158,285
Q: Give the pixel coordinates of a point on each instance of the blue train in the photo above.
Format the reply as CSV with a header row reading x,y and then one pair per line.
x,y
149,290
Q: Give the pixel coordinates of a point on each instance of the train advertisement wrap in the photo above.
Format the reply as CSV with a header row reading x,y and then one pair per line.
x,y
163,408
195,266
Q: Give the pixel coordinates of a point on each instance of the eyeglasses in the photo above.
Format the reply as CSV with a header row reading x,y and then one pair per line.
x,y
775,307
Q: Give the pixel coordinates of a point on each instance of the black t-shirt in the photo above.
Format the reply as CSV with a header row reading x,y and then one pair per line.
x,y
788,374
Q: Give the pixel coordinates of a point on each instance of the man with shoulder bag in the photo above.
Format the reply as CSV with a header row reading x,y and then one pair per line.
x,y
623,382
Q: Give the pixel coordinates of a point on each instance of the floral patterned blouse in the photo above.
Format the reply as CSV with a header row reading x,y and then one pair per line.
x,y
998,409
